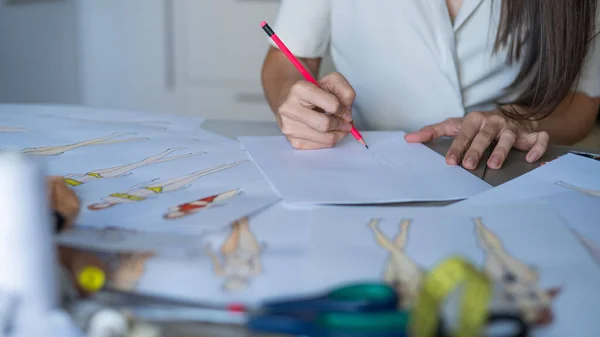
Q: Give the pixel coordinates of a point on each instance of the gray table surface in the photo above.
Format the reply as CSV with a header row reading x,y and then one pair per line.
x,y
514,166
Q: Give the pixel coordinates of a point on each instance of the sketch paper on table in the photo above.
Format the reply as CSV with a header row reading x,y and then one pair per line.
x,y
112,239
139,201
391,170
77,179
537,265
177,123
570,184
11,129
253,259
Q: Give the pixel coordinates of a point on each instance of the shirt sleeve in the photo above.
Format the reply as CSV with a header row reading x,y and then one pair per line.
x,y
589,80
304,27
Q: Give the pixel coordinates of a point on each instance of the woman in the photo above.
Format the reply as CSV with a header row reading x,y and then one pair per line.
x,y
519,73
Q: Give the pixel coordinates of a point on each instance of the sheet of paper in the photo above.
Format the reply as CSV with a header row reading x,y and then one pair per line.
x,y
257,257
570,184
27,113
525,248
391,170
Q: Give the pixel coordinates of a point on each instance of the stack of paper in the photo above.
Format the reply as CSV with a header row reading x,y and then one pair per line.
x,y
391,170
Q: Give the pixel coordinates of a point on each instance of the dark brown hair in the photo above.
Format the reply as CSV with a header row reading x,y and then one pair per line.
x,y
551,39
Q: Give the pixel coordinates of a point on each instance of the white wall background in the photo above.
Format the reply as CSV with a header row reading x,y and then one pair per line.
x,y
38,52
137,54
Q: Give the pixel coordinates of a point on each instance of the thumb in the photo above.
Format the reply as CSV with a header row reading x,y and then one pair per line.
x,y
339,86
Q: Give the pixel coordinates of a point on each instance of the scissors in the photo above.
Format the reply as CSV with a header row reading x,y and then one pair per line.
x,y
356,310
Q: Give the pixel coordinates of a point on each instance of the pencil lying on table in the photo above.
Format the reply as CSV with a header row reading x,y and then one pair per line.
x,y
303,71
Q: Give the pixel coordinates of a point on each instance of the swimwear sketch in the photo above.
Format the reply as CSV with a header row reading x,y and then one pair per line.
x,y
11,129
520,282
196,206
588,192
401,271
58,150
149,189
124,170
241,255
129,269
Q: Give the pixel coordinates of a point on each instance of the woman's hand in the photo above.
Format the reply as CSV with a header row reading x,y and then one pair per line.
x,y
301,119
474,133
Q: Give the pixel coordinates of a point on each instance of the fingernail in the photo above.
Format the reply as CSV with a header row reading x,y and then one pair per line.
x,y
470,162
346,127
532,157
452,159
347,116
495,162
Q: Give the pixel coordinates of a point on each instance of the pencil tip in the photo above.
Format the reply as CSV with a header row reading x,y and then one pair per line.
x,y
367,146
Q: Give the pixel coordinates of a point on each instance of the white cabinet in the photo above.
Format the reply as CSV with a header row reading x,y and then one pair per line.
x,y
193,57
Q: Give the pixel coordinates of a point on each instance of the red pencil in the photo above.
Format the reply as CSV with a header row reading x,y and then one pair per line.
x,y
302,70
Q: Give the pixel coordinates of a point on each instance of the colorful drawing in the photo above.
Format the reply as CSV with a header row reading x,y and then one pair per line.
x,y
519,281
124,170
11,129
401,272
241,254
196,206
588,192
58,150
148,189
130,268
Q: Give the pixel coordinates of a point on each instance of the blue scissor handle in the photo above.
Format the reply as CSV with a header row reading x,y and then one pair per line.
x,y
362,297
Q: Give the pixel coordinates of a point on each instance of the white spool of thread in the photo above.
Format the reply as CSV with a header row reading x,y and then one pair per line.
x,y
27,252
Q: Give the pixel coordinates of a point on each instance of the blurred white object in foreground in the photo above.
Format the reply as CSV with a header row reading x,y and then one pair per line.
x,y
29,287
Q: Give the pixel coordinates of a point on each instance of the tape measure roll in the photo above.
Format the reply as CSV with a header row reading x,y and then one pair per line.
x,y
440,282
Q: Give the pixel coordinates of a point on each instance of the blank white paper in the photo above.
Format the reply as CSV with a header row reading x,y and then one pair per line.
x,y
391,170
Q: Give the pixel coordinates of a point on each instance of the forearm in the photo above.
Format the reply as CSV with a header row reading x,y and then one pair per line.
x,y
279,74
572,120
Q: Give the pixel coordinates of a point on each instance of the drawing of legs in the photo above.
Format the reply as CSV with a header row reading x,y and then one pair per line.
x,y
519,281
196,206
58,150
148,189
123,170
11,129
129,270
588,192
401,272
241,253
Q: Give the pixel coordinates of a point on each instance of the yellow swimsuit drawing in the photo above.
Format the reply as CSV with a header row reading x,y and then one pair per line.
x,y
127,196
74,182
155,189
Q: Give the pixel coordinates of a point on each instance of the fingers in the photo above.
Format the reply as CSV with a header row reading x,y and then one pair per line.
x,y
539,148
303,137
306,128
470,127
63,199
505,143
449,127
315,120
480,143
337,84
311,96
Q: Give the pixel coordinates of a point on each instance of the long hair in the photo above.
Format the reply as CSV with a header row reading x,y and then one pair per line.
x,y
551,39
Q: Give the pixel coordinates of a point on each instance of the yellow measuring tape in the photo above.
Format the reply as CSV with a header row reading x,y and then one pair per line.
x,y
91,278
441,282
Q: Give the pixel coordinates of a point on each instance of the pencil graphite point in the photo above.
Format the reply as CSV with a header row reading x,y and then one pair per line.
x,y
363,143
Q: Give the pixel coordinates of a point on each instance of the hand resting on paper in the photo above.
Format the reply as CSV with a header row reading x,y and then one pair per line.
x,y
301,119
474,133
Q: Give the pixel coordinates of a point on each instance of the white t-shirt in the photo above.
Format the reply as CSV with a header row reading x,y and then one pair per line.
x,y
409,64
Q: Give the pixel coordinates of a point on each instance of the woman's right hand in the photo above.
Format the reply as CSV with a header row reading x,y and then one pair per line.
x,y
301,119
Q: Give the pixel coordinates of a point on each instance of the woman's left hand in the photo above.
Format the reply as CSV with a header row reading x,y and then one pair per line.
x,y
474,133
